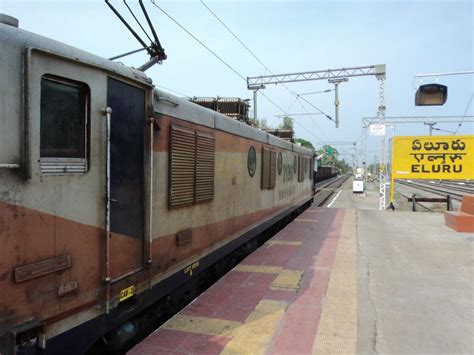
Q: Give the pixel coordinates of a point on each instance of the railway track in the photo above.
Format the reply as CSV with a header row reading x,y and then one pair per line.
x,y
454,193
325,189
465,187
407,196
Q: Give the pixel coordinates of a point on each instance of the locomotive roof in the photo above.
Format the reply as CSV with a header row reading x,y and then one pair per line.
x,y
22,38
184,109
164,102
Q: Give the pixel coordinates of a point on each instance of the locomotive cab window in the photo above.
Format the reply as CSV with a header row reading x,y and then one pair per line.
x,y
63,126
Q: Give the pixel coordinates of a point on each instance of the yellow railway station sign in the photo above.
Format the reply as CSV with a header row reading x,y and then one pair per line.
x,y
432,157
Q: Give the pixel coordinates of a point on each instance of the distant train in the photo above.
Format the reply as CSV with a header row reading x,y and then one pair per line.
x,y
324,173
114,195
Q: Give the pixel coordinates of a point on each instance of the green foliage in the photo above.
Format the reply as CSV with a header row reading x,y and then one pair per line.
x,y
259,123
328,160
332,159
287,123
306,144
342,166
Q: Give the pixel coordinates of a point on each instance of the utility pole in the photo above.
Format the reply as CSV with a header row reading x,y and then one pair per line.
x,y
255,89
431,124
255,105
336,83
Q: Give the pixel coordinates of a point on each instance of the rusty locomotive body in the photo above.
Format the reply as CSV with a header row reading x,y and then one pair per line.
x,y
113,194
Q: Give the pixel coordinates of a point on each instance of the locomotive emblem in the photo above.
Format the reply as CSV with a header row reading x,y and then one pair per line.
x,y
252,161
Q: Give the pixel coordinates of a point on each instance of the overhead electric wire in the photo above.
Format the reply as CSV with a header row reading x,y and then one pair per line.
x,y
236,37
139,24
311,132
260,61
317,92
233,69
274,103
320,130
213,53
199,41
326,138
464,115
173,91
313,106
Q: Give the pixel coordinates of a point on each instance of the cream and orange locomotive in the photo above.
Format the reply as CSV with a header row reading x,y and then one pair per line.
x,y
114,194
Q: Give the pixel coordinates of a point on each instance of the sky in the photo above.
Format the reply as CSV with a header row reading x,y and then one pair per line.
x,y
409,37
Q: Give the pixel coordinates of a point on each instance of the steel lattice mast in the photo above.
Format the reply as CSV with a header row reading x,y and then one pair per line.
x,y
383,143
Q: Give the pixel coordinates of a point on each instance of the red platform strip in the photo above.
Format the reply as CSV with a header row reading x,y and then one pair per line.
x,y
236,295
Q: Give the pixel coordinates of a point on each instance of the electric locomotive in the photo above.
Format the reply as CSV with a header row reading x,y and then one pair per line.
x,y
113,194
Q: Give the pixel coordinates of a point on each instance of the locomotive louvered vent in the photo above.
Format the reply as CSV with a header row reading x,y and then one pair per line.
x,y
268,168
265,168
192,157
272,170
300,168
204,167
182,154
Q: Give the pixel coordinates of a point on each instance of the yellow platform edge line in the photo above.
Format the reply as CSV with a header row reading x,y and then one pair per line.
x,y
337,330
283,242
288,279
258,268
202,325
254,336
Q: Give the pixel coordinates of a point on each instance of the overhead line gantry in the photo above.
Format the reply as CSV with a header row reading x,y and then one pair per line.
x,y
334,76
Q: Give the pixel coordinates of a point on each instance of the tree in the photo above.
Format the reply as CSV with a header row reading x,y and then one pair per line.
x,y
342,166
259,123
305,143
328,159
287,123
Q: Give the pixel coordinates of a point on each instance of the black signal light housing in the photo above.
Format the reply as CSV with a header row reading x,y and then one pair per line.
x,y
431,95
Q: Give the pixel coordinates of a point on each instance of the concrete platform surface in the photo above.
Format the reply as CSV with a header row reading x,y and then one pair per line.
x,y
339,281
415,285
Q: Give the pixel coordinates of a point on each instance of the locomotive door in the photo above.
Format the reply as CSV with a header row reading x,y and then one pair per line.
x,y
126,177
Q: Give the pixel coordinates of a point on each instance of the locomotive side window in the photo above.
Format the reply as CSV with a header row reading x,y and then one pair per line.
x,y
63,126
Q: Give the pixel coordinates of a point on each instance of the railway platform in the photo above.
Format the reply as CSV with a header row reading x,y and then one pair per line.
x,y
347,279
